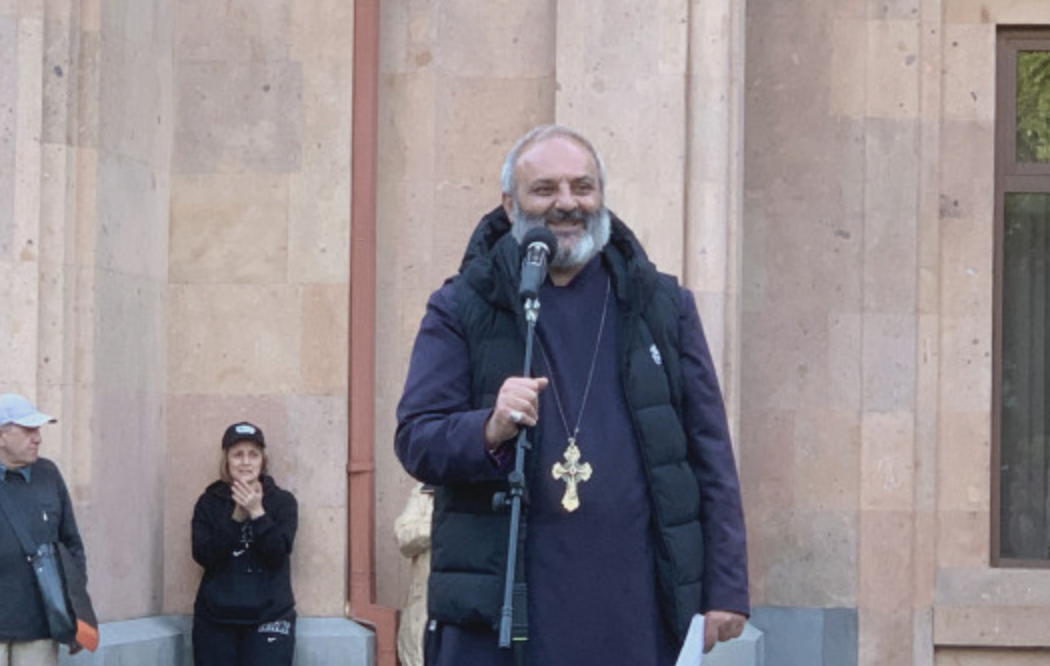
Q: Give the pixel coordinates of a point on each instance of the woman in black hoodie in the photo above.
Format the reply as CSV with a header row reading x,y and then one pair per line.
x,y
243,530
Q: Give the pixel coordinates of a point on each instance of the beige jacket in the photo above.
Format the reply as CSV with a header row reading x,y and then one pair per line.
x,y
412,531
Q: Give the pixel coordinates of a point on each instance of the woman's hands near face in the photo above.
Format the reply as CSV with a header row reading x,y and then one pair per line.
x,y
247,499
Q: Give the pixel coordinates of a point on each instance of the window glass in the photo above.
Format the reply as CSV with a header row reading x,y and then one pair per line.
x,y
1024,415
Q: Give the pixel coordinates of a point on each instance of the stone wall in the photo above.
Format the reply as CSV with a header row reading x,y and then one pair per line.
x,y
867,331
257,315
86,140
174,199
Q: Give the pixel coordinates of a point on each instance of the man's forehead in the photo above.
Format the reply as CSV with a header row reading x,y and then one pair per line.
x,y
557,157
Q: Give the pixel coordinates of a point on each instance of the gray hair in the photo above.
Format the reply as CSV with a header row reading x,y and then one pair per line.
x,y
541,133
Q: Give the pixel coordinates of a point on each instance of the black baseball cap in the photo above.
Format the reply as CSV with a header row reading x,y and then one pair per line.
x,y
242,431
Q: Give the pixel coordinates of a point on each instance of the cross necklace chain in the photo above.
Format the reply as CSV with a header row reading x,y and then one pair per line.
x,y
571,470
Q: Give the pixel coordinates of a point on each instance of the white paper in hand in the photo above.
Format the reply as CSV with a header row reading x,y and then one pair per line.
x,y
692,653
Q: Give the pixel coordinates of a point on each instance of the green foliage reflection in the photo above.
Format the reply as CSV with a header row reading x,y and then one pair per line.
x,y
1033,106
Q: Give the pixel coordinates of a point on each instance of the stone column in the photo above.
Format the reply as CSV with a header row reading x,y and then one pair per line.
x,y
659,89
21,62
460,81
714,181
622,70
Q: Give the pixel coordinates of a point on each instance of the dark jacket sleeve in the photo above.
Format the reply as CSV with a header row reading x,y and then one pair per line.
x,y
275,530
711,454
68,533
215,532
440,439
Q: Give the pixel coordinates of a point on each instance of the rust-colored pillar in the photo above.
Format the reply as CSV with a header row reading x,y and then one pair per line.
x,y
361,605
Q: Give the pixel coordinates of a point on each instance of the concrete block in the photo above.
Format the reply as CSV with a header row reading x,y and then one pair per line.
x,y
166,641
840,637
808,636
330,640
163,641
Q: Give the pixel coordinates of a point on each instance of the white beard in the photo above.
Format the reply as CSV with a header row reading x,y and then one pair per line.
x,y
587,246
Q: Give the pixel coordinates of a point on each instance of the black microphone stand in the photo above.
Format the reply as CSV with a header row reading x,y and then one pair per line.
x,y
515,495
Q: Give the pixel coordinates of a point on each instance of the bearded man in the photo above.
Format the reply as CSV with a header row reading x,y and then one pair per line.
x,y
633,522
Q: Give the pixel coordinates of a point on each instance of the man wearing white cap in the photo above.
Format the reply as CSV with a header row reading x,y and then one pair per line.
x,y
33,488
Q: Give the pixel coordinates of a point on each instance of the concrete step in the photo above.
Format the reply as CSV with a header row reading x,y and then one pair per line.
x,y
165,641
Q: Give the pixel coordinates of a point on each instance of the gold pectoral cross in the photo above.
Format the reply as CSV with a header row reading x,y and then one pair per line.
x,y
572,473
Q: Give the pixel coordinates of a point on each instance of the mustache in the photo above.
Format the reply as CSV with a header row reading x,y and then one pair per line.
x,y
575,215
529,220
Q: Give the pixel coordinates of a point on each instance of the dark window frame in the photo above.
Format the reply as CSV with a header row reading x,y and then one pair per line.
x,y
1011,177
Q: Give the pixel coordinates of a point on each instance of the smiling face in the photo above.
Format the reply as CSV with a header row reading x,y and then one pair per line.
x,y
245,461
19,446
557,184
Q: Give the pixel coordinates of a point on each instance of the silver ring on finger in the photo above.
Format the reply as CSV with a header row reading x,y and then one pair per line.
x,y
516,416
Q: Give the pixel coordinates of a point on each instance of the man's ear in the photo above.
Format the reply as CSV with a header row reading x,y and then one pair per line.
x,y
508,205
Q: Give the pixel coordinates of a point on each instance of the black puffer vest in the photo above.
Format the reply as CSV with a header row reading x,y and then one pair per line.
x,y
469,539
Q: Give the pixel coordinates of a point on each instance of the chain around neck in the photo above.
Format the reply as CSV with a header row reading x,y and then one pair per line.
x,y
590,373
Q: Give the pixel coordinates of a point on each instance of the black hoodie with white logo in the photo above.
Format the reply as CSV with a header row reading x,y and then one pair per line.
x,y
247,572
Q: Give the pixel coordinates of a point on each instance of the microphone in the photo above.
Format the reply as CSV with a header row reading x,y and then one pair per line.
x,y
537,246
